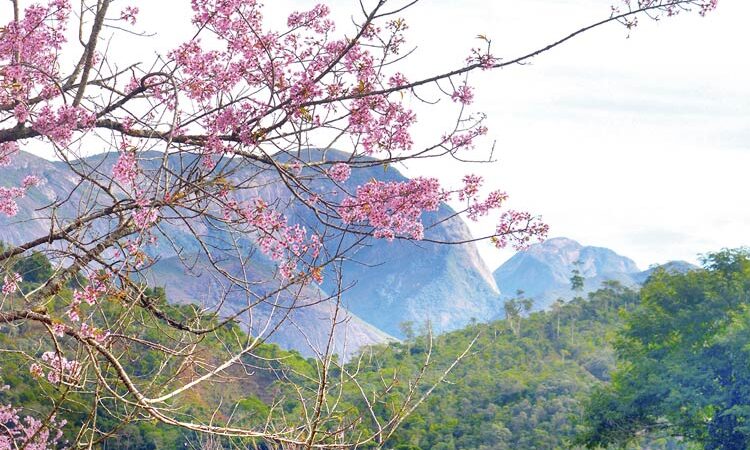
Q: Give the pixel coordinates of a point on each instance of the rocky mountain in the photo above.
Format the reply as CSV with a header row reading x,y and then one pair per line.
x,y
543,271
388,283
306,312
384,283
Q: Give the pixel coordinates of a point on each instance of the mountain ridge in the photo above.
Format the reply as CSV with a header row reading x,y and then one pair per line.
x,y
544,270
386,283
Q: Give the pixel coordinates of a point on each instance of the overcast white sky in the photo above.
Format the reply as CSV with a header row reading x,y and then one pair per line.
x,y
640,144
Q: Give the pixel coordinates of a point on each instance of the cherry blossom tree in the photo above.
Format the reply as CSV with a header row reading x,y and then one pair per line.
x,y
229,134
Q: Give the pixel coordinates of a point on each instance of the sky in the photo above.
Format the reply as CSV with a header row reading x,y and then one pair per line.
x,y
637,141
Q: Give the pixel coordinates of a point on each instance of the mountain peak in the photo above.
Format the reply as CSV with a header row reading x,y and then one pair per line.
x,y
543,271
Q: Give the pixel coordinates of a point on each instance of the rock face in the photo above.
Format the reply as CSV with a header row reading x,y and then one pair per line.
x,y
305,327
544,270
389,283
384,283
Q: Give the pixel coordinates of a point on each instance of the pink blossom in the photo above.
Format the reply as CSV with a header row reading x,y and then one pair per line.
x,y
60,124
393,208
36,370
7,149
89,294
10,283
89,332
493,201
314,19
73,314
125,169
472,183
397,80
145,217
129,14
340,172
8,196
518,228
61,368
282,242
21,112
58,329
29,432
466,140
464,95
30,181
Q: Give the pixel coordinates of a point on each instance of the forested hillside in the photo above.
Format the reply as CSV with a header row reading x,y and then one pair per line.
x,y
245,390
666,367
523,382
683,361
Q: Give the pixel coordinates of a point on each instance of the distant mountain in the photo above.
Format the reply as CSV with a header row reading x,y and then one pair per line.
x,y
307,326
385,283
544,270
404,281
671,266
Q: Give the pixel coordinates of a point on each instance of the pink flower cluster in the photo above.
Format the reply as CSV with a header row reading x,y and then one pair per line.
x,y
59,125
383,125
8,196
125,169
657,8
144,217
60,368
7,149
315,19
302,68
129,14
340,172
464,95
89,332
10,283
518,228
472,183
287,244
465,140
89,295
482,208
28,433
29,49
393,208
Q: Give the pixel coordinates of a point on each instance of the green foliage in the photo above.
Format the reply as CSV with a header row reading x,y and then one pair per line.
x,y
576,278
245,399
34,268
684,361
682,379
519,387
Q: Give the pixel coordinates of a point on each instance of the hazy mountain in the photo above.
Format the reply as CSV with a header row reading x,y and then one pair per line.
x,y
307,325
543,271
385,283
671,266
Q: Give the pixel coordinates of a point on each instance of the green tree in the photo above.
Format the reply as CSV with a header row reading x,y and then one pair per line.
x,y
684,361
576,278
34,268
